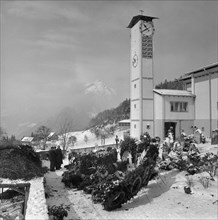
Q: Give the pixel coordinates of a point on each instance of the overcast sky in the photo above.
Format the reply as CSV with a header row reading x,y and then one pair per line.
x,y
51,49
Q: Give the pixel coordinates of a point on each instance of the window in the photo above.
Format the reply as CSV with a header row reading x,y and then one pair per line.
x,y
134,125
134,85
134,105
178,106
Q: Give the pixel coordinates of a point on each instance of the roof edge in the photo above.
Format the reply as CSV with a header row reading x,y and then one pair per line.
x,y
137,18
159,93
210,66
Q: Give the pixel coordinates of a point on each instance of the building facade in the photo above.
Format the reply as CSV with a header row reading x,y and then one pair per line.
x,y
173,109
141,77
156,110
203,83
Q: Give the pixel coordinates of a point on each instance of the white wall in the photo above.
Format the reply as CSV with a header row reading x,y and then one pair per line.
x,y
147,66
135,110
147,88
134,128
150,129
202,98
159,115
179,115
135,79
148,109
135,49
202,91
159,107
135,92
214,95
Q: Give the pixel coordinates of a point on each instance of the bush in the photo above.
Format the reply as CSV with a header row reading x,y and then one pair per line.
x,y
58,212
19,162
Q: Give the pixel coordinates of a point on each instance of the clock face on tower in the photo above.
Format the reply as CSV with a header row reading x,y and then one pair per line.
x,y
147,28
135,60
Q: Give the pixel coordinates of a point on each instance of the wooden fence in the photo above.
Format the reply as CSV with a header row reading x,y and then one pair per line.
x,y
22,188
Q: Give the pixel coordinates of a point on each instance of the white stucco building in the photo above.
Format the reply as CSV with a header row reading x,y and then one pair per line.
x,y
173,108
203,83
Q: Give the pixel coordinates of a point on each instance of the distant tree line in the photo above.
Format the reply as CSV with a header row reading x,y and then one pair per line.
x,y
104,124
111,116
176,84
5,140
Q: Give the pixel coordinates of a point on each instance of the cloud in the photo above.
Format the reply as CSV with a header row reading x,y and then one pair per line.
x,y
54,44
57,39
45,10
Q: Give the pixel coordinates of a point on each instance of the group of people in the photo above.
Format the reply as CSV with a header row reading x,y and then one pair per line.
x,y
171,147
56,158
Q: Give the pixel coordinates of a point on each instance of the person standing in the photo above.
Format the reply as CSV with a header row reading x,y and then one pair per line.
x,y
59,157
170,136
153,150
198,130
117,141
53,159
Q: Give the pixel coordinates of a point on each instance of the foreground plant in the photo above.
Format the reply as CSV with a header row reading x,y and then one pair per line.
x,y
58,212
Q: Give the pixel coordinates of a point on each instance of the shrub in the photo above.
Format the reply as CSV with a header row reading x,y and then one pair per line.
x,y
58,212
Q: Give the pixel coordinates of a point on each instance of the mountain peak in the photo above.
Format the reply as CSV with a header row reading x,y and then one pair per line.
x,y
99,88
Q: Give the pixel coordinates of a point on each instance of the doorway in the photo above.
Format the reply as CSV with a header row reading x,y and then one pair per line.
x,y
167,126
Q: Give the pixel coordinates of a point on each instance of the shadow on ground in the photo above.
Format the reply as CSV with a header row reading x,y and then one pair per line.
x,y
154,189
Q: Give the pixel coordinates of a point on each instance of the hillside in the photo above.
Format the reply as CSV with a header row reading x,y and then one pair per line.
x,y
111,116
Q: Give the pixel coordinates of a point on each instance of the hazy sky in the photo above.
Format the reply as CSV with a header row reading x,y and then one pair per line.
x,y
51,49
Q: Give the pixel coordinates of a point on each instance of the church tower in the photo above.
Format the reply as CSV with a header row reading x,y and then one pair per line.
x,y
141,76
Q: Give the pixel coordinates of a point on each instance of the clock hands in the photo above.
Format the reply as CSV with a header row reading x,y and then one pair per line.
x,y
146,28
134,60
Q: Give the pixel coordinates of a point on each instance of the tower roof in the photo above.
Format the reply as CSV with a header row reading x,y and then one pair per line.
x,y
137,18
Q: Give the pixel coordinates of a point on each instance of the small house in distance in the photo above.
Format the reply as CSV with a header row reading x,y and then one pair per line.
x,y
124,124
52,137
27,140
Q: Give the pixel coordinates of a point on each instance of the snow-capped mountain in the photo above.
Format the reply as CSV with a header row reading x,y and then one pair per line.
x,y
99,88
99,96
